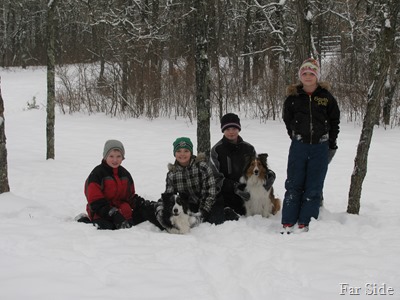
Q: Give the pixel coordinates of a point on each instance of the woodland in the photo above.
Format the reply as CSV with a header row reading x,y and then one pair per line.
x,y
138,57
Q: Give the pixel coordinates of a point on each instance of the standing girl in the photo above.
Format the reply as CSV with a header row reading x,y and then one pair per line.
x,y
311,115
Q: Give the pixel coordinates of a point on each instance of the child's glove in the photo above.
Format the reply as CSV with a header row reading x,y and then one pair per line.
x,y
331,154
239,190
159,215
195,219
118,219
332,150
270,179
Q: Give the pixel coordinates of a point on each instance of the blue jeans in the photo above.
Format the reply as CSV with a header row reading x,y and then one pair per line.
x,y
306,171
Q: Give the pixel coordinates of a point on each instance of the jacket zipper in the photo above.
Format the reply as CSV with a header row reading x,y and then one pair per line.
x,y
311,125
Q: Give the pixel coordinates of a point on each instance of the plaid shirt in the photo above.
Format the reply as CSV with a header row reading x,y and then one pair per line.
x,y
196,180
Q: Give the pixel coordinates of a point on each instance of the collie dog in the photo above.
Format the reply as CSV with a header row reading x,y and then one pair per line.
x,y
262,201
175,213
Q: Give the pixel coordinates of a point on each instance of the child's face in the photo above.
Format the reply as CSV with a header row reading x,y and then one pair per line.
x,y
183,156
114,159
308,79
232,134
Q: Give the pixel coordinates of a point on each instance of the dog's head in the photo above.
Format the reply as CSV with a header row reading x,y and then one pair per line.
x,y
256,165
174,204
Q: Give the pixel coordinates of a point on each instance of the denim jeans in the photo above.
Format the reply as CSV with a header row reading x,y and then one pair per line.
x,y
306,172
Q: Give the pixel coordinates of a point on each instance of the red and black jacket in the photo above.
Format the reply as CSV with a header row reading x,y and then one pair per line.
x,y
108,187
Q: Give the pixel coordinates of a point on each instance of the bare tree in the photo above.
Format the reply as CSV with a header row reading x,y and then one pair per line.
x,y
303,38
50,122
390,89
4,187
385,14
202,77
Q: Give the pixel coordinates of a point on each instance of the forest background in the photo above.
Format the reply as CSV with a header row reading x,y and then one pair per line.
x,y
138,58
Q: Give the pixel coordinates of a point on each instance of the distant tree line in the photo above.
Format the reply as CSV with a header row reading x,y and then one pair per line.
x,y
137,57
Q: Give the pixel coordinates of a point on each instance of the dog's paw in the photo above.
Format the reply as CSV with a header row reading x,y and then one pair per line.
x,y
175,230
195,220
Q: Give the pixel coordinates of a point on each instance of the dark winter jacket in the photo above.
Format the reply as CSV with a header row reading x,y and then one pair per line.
x,y
108,187
196,181
312,118
228,161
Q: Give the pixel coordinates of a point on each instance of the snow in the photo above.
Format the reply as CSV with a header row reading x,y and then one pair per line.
x,y
309,15
44,254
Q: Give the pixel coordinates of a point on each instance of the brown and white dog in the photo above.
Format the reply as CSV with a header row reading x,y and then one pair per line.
x,y
262,201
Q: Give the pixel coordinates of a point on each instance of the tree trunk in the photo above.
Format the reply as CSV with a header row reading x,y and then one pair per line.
x,y
390,90
4,187
246,50
51,24
124,81
303,48
380,63
202,78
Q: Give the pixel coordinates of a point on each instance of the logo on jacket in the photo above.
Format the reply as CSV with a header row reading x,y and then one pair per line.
x,y
321,101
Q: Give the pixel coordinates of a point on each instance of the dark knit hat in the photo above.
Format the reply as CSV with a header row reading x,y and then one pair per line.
x,y
310,65
183,142
230,120
113,145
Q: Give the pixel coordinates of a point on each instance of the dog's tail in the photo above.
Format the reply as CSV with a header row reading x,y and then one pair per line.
x,y
276,202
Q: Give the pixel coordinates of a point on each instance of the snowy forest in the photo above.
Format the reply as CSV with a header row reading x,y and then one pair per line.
x,y
145,57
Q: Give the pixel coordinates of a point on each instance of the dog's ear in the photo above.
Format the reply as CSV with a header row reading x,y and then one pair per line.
x,y
263,159
166,196
184,196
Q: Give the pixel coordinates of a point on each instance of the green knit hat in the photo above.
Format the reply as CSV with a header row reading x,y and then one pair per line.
x,y
183,142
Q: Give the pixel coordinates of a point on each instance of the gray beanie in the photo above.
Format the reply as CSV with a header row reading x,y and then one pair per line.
x,y
113,145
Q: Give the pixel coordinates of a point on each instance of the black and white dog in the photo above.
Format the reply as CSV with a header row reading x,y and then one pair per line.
x,y
175,216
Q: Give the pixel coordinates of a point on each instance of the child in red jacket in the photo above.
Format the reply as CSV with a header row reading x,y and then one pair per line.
x,y
108,190
110,193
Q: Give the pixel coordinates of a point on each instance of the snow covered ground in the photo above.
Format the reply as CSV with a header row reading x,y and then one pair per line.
x,y
44,254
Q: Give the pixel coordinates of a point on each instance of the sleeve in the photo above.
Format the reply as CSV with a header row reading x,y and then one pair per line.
x,y
287,116
228,186
130,192
214,163
209,190
131,186
169,185
101,207
93,189
334,121
95,196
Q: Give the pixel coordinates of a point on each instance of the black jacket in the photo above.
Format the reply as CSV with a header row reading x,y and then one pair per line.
x,y
312,118
228,161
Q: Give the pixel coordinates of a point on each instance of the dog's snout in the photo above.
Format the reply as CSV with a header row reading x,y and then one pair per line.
x,y
256,171
176,210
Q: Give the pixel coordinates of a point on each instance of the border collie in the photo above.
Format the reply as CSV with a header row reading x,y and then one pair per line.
x,y
175,213
261,202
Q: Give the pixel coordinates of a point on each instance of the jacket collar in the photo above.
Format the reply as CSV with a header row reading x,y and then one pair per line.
x,y
297,89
